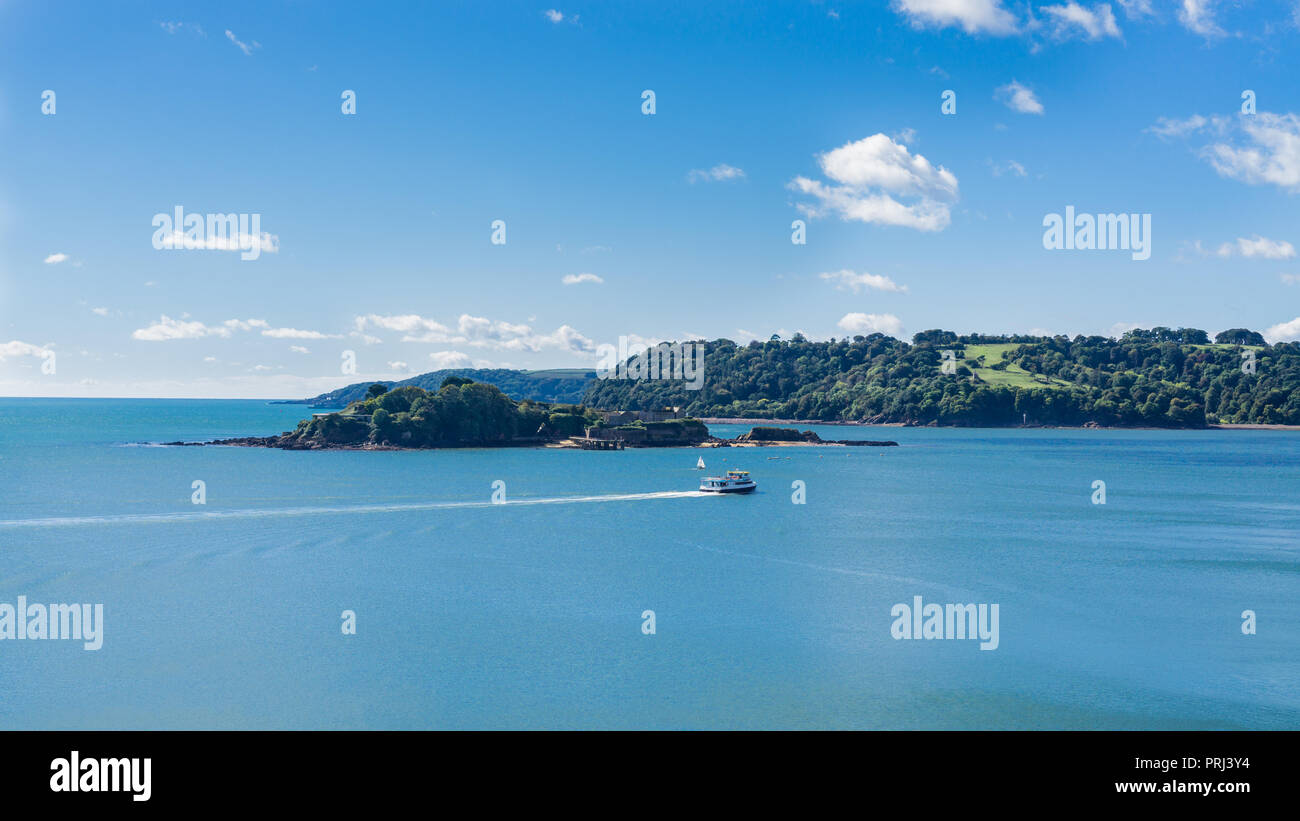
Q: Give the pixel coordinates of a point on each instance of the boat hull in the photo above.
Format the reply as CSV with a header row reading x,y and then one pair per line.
x,y
741,489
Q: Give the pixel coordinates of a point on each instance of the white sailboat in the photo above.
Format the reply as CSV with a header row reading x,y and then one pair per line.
x,y
699,465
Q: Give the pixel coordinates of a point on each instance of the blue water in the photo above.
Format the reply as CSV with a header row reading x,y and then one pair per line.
x,y
768,614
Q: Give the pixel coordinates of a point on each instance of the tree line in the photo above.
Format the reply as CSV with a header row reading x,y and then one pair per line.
x,y
1161,377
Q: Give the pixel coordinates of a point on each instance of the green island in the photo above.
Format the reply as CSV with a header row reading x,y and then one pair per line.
x,y
465,413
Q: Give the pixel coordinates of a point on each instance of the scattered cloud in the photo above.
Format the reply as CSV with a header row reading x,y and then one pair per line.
x,y
166,329
241,45
972,16
1008,167
871,177
717,173
1284,332
55,259
15,348
1267,153
99,311
1257,246
577,279
399,367
1136,9
1291,279
557,16
848,280
237,241
299,349
295,333
1019,98
1257,149
172,28
449,359
1170,128
1074,19
479,332
1198,16
887,324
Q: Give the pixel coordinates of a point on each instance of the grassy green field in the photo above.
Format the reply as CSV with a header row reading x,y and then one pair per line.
x,y
1013,377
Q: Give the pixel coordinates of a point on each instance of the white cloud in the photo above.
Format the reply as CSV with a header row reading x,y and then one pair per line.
x,y
1257,246
1269,152
242,46
399,366
973,16
1198,16
1136,9
238,241
294,333
578,279
1018,98
479,332
1284,332
449,359
1167,127
15,348
871,173
1291,279
554,16
717,173
99,311
166,329
857,282
1094,23
1009,167
856,323
55,259
298,349
172,28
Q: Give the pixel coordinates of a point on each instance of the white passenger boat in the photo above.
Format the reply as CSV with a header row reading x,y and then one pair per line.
x,y
736,481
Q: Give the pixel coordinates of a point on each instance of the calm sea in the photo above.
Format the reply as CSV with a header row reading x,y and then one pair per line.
x,y
767,613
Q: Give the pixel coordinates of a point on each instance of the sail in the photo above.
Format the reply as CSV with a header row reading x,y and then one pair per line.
x,y
700,464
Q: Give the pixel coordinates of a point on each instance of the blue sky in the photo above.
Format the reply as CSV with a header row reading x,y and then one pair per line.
x,y
378,223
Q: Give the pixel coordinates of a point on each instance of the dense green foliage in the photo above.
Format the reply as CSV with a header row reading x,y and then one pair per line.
x,y
460,413
1160,377
540,386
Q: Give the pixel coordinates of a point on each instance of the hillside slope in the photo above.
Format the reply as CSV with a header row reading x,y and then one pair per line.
x,y
559,385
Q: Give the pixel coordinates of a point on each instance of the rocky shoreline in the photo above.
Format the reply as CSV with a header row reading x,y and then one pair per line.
x,y
757,437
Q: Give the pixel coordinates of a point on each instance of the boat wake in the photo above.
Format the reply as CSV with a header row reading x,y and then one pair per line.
x,y
284,512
